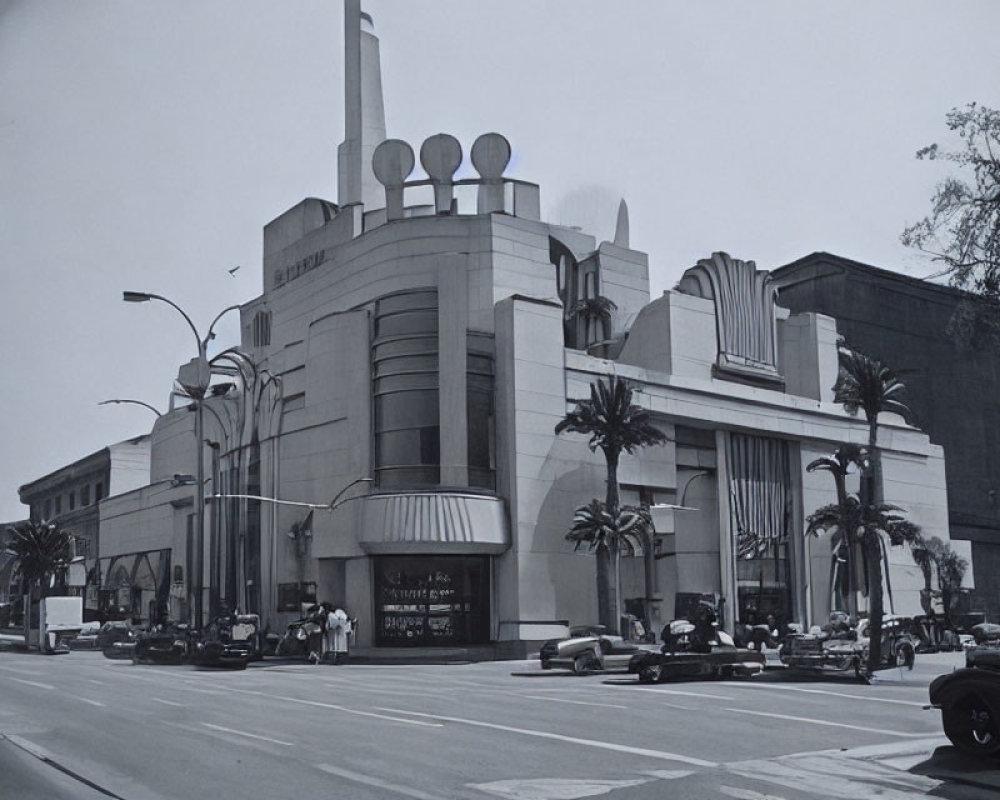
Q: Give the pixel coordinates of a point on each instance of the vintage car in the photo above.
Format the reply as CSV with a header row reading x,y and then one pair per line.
x,y
589,647
969,698
117,639
845,649
230,640
696,649
165,644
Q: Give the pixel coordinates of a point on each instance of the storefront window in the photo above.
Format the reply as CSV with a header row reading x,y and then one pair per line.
x,y
427,601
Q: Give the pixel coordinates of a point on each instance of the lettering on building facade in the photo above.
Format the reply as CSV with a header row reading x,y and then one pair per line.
x,y
283,275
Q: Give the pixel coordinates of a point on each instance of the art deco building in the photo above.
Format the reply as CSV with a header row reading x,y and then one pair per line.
x,y
414,346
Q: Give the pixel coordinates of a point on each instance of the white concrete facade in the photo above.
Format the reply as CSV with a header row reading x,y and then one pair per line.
x,y
371,343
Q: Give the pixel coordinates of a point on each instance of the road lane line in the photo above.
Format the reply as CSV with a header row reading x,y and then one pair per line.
x,y
35,683
370,780
672,691
19,671
783,688
830,724
618,748
248,735
335,707
574,702
85,700
167,702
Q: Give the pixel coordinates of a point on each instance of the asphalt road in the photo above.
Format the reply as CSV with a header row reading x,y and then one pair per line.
x,y
464,731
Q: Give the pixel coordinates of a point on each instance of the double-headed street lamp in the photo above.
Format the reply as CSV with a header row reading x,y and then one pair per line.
x,y
194,377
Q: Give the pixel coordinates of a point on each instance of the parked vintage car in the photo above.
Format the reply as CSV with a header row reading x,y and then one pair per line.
x,y
845,649
969,698
230,640
164,644
589,647
696,649
117,639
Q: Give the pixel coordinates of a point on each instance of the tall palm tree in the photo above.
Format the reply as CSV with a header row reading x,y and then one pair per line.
x,y
615,425
867,384
608,534
873,525
933,555
839,465
41,549
951,568
922,551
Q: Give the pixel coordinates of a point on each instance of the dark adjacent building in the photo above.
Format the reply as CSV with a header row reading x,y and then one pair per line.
x,y
953,391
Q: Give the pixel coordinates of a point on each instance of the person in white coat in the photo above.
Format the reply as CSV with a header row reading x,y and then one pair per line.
x,y
338,629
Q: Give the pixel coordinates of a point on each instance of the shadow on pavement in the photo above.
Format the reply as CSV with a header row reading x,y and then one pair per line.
x,y
956,768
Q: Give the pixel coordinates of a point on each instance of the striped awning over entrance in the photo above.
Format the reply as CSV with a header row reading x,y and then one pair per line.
x,y
433,522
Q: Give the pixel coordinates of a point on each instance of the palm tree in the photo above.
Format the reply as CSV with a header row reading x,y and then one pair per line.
x,y
609,534
923,556
867,384
839,466
872,525
41,549
949,566
615,425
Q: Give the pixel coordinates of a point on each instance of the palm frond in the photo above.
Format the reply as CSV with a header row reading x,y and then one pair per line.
x,y
614,423
865,383
594,527
39,548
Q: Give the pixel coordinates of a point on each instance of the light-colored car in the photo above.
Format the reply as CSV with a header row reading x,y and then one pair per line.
x,y
588,648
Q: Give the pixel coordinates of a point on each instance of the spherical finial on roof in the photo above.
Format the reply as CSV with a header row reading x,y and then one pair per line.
x,y
440,156
392,162
490,155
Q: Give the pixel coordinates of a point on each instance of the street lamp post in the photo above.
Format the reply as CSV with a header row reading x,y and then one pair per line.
x,y
194,377
152,408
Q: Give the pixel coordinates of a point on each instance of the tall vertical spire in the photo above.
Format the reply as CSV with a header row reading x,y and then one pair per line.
x,y
364,114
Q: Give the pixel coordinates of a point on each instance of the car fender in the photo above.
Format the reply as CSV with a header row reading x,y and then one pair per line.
x,y
946,689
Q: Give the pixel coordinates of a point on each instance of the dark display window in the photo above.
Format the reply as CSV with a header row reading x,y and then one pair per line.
x,y
427,601
406,402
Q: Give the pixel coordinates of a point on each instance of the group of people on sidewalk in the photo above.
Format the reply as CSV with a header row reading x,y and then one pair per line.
x,y
329,634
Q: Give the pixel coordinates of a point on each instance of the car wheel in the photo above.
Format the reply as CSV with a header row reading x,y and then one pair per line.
x,y
972,725
651,673
583,663
546,665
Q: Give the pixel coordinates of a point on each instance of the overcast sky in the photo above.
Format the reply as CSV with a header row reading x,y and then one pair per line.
x,y
143,145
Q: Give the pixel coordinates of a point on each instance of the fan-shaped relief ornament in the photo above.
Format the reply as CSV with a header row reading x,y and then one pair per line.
x,y
744,312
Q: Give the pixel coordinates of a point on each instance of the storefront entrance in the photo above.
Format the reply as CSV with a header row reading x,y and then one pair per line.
x,y
429,601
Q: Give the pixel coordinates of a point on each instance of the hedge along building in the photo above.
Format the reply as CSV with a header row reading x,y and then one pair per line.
x,y
420,355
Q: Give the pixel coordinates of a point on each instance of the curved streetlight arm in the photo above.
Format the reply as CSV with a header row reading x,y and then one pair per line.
x,y
133,402
333,503
211,335
324,506
143,297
